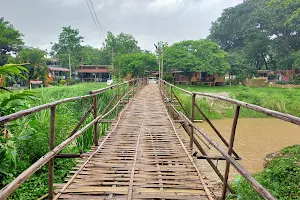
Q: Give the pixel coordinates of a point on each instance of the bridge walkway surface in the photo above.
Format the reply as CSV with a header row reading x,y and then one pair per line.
x,y
142,156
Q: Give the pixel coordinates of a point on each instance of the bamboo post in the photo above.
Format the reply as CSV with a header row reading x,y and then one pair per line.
x,y
233,130
171,92
96,124
51,145
118,96
192,120
128,84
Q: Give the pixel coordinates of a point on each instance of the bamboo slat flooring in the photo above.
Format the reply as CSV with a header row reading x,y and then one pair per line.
x,y
141,157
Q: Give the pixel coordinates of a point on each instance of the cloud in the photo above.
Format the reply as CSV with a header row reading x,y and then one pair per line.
x,y
149,21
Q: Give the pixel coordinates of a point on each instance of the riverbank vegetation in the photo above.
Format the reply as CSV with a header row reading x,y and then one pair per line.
x,y
25,140
278,99
281,177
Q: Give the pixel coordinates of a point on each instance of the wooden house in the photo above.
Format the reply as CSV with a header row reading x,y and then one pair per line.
x,y
198,78
57,72
283,75
93,73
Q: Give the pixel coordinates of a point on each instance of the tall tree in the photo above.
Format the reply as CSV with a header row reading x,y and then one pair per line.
x,y
116,45
10,40
91,56
196,56
260,31
135,64
68,48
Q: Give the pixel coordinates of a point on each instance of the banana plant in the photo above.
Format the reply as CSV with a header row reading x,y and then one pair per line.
x,y
10,71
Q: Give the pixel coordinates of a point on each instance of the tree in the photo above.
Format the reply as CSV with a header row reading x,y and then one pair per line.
x,y
91,56
36,57
135,64
10,40
196,56
116,45
260,32
68,48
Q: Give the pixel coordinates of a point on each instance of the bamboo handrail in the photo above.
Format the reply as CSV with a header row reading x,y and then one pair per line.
x,y
11,187
269,112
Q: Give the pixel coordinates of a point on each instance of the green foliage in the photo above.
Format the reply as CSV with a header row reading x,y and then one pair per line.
x,y
10,40
281,177
11,71
196,55
135,64
69,41
279,99
36,57
168,78
63,82
259,33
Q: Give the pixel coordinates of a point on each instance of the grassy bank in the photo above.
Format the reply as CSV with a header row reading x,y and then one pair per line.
x,y
29,136
281,177
279,99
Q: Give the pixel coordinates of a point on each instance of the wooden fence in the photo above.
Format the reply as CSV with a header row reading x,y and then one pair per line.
x,y
188,124
129,87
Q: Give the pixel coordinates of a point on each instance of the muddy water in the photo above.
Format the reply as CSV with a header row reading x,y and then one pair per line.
x,y
255,138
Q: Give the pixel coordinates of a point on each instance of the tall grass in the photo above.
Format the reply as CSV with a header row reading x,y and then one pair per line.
x,y
32,134
278,99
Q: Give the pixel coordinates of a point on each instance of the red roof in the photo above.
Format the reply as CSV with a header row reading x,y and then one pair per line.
x,y
60,69
101,70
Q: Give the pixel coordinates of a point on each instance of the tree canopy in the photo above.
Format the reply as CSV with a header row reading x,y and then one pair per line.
x,y
69,42
135,64
10,40
258,31
196,56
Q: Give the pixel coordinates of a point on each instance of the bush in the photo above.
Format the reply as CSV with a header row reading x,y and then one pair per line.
x,y
281,177
63,82
54,83
168,78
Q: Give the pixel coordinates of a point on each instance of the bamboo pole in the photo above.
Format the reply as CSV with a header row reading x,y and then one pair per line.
x,y
96,123
192,119
51,145
233,131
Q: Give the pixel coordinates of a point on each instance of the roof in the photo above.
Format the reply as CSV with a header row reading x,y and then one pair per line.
x,y
101,70
94,66
58,68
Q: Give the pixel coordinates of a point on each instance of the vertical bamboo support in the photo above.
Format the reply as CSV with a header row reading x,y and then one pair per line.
x,y
233,130
128,84
171,92
118,96
96,123
192,120
52,145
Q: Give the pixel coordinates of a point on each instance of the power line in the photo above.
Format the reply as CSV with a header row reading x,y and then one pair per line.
x,y
97,19
95,22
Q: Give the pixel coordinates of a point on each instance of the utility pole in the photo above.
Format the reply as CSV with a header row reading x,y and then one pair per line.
x,y
162,62
70,63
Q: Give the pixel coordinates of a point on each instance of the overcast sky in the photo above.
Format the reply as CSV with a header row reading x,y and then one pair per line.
x,y
149,21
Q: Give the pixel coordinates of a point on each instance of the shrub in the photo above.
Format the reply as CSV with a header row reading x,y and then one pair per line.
x,y
63,82
168,78
281,177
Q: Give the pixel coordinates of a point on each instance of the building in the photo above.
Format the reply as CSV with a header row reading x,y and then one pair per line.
x,y
282,75
93,73
198,78
56,72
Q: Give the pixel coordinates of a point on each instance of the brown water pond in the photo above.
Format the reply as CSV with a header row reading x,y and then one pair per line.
x,y
255,139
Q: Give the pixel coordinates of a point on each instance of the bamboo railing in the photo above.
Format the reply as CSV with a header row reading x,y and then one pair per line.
x,y
130,88
167,90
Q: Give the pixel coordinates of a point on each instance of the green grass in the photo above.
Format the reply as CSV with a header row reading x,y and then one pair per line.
x,y
278,99
281,177
31,140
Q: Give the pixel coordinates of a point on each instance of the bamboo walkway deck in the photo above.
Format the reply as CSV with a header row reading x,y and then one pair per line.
x,y
141,157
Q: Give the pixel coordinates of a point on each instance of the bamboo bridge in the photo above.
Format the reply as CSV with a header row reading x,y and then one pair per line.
x,y
149,150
